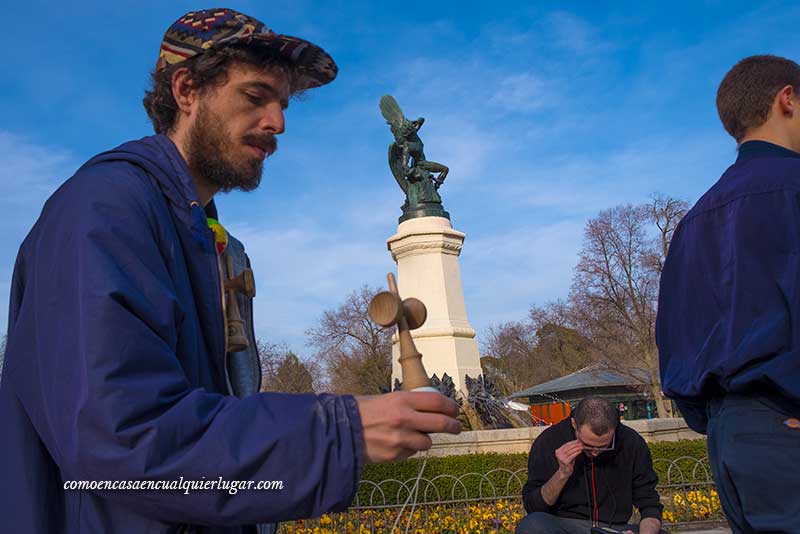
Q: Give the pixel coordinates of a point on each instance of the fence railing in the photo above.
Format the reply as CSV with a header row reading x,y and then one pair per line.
x,y
491,502
687,490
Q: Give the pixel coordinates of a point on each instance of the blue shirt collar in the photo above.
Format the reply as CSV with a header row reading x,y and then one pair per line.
x,y
764,149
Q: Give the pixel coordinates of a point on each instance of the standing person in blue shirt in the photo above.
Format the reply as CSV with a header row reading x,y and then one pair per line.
x,y
117,363
728,327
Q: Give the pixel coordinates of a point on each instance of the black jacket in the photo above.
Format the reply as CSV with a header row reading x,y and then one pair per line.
x,y
623,478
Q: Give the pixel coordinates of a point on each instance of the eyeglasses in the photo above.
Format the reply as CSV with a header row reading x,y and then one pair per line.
x,y
589,448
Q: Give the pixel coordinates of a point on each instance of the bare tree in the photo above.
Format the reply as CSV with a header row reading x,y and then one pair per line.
x,y
523,354
510,358
558,341
615,287
355,351
666,213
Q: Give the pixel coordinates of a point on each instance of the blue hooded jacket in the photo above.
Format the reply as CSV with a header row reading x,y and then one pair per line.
x,y
115,371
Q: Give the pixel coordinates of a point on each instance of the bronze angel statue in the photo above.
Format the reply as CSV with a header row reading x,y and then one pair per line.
x,y
419,178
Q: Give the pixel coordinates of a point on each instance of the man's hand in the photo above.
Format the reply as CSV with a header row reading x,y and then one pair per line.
x,y
396,425
566,455
649,525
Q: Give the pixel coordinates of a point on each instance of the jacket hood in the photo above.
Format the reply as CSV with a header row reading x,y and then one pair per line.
x,y
162,161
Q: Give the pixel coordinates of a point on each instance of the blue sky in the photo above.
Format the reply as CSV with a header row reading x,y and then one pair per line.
x,y
545,113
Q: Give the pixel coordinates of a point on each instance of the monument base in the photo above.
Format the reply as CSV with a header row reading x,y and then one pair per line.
x,y
433,210
426,250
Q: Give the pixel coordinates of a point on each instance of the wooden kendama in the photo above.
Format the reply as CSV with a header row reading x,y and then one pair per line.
x,y
243,283
388,309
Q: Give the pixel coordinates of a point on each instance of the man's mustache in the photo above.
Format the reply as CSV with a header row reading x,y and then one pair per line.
x,y
265,142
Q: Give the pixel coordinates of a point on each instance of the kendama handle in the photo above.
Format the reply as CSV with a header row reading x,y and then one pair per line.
x,y
392,284
414,375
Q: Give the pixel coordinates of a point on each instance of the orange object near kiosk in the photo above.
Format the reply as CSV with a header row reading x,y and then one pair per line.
x,y
551,413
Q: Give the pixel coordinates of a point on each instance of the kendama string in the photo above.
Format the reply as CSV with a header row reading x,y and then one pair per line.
x,y
387,309
414,492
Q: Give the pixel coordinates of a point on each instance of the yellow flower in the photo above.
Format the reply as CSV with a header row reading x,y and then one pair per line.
x,y
325,519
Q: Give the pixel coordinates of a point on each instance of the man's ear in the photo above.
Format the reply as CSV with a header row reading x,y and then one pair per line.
x,y
787,100
183,90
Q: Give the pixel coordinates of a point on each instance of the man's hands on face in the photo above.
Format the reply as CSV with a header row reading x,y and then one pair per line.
x,y
396,425
566,455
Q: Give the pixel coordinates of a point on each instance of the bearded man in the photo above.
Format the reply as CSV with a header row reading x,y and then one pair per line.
x,y
118,369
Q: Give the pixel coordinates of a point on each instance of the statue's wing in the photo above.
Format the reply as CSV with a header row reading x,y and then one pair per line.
x,y
391,110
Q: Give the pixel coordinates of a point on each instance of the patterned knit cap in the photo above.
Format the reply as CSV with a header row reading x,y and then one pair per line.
x,y
196,32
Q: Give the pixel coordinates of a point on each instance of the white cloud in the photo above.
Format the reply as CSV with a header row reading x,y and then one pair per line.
x,y
461,143
304,268
572,33
30,172
574,184
522,93
530,263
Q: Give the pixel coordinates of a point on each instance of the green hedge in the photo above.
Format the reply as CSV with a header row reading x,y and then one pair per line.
x,y
482,463
689,471
670,450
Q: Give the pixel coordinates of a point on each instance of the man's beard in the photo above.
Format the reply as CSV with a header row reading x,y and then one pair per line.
x,y
207,147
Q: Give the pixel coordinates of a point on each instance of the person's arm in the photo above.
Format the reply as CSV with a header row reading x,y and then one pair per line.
x,y
644,494
565,455
112,401
553,488
548,473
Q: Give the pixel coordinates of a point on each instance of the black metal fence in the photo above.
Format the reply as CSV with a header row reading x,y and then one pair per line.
x,y
490,502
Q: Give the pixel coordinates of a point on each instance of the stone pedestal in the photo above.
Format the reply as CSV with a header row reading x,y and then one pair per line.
x,y
426,250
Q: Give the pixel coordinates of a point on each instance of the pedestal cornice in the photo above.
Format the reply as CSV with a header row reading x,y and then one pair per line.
x,y
428,235
453,331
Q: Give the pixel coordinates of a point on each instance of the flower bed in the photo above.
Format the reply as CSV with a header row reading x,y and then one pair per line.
x,y
498,517
692,506
485,494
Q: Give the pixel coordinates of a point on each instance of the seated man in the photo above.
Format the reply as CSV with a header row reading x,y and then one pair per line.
x,y
589,470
